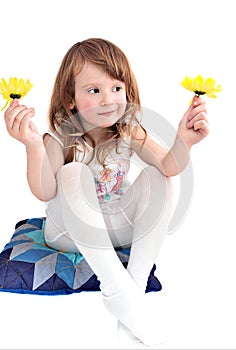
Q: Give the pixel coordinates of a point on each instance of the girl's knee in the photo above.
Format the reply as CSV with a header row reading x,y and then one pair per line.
x,y
73,167
155,176
75,170
160,186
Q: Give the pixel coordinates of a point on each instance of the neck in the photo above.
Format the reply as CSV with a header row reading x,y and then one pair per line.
x,y
98,135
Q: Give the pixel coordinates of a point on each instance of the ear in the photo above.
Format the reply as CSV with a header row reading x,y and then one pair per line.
x,y
71,102
72,105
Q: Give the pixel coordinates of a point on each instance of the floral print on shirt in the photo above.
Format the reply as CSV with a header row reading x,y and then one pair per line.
x,y
109,182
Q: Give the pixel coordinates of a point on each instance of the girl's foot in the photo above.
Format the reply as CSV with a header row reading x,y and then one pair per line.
x,y
125,336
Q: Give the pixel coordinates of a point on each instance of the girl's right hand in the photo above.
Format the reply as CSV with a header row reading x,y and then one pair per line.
x,y
19,125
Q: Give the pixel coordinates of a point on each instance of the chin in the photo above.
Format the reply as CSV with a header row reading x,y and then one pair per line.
x,y
107,124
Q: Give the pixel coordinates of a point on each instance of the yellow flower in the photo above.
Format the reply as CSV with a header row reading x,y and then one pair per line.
x,y
200,86
15,88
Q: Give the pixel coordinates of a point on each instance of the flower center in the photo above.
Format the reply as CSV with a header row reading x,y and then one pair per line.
x,y
199,93
15,96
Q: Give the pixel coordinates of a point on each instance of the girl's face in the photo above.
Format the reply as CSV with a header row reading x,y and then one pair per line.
x,y
99,99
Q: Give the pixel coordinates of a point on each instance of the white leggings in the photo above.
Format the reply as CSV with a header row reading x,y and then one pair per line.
x,y
77,223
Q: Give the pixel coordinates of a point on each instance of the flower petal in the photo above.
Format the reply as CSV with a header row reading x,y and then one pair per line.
x,y
15,86
200,86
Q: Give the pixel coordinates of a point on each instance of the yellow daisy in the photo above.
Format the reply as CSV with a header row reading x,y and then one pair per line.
x,y
200,86
15,88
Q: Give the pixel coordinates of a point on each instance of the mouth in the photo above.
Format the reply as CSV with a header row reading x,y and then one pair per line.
x,y
107,113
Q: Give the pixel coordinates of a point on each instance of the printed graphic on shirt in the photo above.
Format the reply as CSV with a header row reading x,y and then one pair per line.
x,y
109,181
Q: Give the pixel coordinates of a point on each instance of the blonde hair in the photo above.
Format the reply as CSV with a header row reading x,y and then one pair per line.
x,y
65,121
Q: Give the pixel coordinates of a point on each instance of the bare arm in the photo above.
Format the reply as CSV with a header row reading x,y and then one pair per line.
x,y
193,127
41,170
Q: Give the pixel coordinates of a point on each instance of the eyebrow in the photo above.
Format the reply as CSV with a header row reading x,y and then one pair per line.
x,y
94,84
89,85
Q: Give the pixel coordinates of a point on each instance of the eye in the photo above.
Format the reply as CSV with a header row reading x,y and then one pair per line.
x,y
116,88
94,91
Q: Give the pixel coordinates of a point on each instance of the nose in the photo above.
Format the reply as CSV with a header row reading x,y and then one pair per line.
x,y
106,98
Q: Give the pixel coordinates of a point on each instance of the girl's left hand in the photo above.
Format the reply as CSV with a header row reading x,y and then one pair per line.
x,y
194,126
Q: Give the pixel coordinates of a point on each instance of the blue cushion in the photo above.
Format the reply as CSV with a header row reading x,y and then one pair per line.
x,y
28,265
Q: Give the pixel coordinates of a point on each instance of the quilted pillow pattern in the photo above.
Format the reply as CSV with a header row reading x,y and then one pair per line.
x,y
28,265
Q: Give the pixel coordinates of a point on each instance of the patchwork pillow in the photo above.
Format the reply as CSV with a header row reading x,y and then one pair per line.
x,y
28,265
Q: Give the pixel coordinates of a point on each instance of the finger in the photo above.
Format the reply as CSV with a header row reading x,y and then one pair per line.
x,y
202,126
197,106
198,101
198,117
16,121
12,105
8,113
11,115
25,122
197,110
9,110
184,119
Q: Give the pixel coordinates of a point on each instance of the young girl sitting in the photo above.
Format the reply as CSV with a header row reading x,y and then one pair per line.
x,y
80,167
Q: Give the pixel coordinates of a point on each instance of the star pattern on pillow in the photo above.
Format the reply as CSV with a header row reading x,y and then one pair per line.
x,y
31,247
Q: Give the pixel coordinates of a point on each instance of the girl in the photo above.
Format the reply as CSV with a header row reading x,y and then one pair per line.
x,y
80,166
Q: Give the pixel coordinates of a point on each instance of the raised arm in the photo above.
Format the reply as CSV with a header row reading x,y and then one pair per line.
x,y
40,172
192,128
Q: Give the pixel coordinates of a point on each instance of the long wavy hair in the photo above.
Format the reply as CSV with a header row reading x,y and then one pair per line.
x,y
66,122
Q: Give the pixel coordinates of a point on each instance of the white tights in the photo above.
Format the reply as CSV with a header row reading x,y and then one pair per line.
x,y
76,222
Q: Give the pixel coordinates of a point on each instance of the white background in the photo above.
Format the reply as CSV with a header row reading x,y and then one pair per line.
x,y
164,41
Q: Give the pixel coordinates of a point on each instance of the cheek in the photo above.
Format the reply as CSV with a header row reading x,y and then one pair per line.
x,y
122,108
122,102
86,108
83,104
122,98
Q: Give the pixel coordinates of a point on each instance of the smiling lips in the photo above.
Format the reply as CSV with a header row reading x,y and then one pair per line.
x,y
107,113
